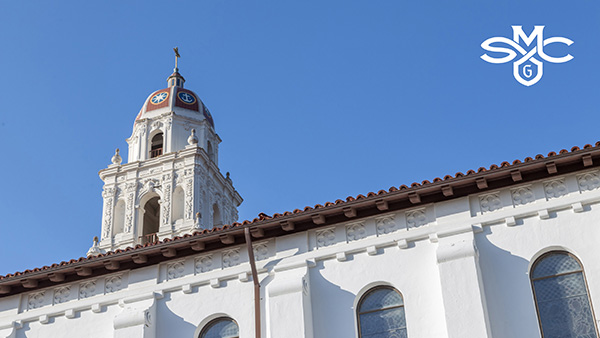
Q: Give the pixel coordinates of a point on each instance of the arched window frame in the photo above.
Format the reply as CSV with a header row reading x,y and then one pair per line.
x,y
152,153
213,322
369,292
582,271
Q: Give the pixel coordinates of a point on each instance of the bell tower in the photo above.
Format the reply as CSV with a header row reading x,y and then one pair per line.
x,y
171,183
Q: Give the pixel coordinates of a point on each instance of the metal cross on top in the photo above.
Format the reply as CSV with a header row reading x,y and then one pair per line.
x,y
177,56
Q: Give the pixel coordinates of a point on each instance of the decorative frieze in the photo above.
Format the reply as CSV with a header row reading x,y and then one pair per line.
x,y
385,224
355,231
87,289
261,251
231,258
113,283
35,300
61,294
522,195
175,270
588,181
203,264
555,188
416,218
490,202
325,237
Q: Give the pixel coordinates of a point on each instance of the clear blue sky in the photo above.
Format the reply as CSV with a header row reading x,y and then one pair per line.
x,y
314,100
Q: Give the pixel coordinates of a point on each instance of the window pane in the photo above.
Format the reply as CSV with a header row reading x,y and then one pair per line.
x,y
569,317
555,264
562,298
380,299
383,324
559,287
224,328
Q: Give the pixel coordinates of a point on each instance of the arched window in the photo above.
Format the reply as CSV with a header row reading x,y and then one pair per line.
x,y
381,314
156,145
561,297
220,328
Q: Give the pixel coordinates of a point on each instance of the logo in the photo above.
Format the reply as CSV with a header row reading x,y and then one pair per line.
x,y
528,70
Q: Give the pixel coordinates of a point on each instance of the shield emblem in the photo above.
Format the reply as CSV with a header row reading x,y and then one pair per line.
x,y
528,71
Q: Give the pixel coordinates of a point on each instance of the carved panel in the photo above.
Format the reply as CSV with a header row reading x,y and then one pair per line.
x,y
325,237
231,258
108,210
35,300
355,231
588,181
203,263
113,284
490,202
61,294
129,209
522,196
261,251
189,199
175,270
555,188
416,218
87,289
108,192
156,125
166,204
385,224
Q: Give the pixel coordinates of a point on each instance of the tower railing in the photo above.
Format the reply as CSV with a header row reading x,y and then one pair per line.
x,y
149,238
155,152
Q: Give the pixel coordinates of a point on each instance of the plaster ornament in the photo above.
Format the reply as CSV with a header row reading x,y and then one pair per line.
x,y
116,159
95,249
193,139
196,225
203,264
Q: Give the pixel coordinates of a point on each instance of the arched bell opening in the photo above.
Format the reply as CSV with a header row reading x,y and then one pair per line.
x,y
156,145
151,221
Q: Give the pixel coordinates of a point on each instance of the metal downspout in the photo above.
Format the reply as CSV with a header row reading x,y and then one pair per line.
x,y
257,320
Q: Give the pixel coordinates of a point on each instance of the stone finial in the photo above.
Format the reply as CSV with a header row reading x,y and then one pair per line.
x,y
227,177
95,249
116,159
193,139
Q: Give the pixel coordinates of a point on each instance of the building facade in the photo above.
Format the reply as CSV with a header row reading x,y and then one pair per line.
x,y
506,252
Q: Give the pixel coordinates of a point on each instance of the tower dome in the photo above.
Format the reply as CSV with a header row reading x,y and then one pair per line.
x,y
176,99
166,119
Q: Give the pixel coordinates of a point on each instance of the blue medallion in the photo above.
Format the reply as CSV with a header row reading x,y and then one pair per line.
x,y
187,98
159,98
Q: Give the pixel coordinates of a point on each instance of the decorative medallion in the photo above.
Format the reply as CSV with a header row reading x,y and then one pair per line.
x,y
159,98
186,98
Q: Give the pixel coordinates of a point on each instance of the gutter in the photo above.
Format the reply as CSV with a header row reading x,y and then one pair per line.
x,y
257,320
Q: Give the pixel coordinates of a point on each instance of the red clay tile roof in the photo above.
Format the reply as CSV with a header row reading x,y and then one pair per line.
x,y
296,213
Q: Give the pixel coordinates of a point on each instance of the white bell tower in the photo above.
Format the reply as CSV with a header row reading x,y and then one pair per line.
x,y
171,184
